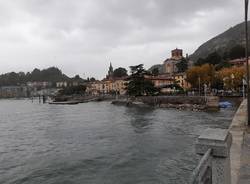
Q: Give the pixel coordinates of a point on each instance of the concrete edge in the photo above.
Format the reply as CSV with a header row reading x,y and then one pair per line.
x,y
237,129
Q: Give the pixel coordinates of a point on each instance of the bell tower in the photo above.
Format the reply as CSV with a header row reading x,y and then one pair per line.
x,y
177,54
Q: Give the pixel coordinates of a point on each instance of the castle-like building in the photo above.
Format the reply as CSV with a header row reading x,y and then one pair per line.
x,y
169,65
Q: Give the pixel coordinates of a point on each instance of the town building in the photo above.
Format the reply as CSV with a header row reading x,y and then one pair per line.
x,y
163,80
107,86
160,80
62,84
169,65
238,62
13,91
181,79
39,85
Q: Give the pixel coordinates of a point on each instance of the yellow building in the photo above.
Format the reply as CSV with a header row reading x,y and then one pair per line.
x,y
181,79
166,79
160,80
108,86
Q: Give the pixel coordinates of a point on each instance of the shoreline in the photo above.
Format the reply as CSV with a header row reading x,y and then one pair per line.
x,y
192,107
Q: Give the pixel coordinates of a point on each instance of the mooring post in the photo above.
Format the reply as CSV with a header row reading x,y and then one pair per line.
x,y
219,141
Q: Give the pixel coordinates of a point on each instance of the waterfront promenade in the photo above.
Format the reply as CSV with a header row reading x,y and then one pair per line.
x,y
244,172
215,145
240,150
237,129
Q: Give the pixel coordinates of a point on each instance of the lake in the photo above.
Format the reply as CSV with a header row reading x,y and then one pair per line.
x,y
99,143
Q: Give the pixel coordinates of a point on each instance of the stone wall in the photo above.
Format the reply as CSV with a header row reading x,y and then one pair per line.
x,y
214,167
158,100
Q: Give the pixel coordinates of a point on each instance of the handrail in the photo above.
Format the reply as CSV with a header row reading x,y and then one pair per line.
x,y
203,172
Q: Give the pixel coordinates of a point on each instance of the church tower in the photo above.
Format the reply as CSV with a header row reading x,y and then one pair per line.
x,y
110,72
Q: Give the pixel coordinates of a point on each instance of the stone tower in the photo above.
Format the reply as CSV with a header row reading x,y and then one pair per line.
x,y
177,54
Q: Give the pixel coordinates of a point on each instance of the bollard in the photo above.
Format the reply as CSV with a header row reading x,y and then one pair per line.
x,y
219,141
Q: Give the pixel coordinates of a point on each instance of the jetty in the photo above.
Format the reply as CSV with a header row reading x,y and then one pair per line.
x,y
65,103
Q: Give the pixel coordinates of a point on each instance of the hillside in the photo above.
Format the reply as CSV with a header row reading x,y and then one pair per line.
x,y
51,74
222,43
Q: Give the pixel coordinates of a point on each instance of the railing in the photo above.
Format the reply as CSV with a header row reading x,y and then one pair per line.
x,y
214,166
203,172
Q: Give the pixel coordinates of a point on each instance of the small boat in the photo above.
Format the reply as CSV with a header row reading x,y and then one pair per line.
x,y
225,104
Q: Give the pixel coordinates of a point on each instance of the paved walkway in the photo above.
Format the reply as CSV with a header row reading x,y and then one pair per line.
x,y
237,130
244,177
240,149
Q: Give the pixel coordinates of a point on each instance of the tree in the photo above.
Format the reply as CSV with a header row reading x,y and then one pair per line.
x,y
182,65
232,77
51,74
77,77
155,71
237,52
223,64
138,85
200,62
213,58
80,90
206,74
120,72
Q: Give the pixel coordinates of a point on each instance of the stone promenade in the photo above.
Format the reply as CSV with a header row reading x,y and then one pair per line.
x,y
244,176
240,150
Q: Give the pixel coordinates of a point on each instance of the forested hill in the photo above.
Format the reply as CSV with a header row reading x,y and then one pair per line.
x,y
51,74
222,43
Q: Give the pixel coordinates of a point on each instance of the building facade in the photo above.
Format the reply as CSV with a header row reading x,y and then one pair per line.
x,y
169,65
107,86
13,91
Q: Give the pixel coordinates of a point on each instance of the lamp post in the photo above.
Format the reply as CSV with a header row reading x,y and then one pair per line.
x,y
199,80
232,85
205,92
243,87
247,64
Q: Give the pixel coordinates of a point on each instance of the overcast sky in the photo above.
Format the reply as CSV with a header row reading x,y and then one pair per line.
x,y
83,36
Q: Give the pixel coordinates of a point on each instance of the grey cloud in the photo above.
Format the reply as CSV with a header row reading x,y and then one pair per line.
x,y
83,36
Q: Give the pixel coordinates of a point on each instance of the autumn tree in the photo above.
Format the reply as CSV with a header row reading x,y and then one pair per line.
x,y
205,74
232,77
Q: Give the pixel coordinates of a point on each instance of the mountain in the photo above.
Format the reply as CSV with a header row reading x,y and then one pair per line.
x,y
222,43
51,74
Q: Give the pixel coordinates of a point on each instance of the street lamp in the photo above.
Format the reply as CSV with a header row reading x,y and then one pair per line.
x,y
243,87
199,80
205,91
247,64
232,77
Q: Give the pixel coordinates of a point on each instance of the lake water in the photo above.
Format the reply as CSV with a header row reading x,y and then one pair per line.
x,y
99,143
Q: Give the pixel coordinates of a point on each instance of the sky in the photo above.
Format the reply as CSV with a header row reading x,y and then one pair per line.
x,y
84,36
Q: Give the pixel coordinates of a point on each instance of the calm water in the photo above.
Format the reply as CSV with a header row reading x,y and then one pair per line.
x,y
98,143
